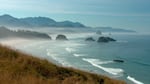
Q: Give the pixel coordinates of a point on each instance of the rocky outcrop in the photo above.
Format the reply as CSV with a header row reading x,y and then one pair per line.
x,y
32,34
7,33
105,39
110,39
89,39
61,37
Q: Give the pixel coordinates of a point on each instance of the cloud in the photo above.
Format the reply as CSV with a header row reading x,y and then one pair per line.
x,y
99,13
68,7
29,5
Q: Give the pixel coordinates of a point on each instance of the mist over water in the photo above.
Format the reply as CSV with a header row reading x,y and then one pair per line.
x,y
96,57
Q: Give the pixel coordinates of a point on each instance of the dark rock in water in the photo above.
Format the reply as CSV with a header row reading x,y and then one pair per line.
x,y
105,39
89,39
61,37
121,61
110,39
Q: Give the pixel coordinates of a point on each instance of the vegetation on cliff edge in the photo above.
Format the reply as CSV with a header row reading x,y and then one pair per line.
x,y
20,68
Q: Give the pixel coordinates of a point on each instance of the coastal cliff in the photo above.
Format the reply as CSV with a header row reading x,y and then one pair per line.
x,y
7,33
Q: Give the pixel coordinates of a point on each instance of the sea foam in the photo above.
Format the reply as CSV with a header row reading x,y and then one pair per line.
x,y
134,80
70,49
96,63
59,59
78,55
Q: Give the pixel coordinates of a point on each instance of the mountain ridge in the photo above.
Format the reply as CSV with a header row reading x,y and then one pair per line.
x,y
40,22
8,20
111,29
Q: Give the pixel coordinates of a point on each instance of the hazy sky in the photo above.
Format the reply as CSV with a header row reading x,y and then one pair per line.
x,y
130,14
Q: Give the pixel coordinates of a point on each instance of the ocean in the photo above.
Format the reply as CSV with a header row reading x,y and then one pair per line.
x,y
96,57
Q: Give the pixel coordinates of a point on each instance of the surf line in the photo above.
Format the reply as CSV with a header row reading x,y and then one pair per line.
x,y
134,80
112,71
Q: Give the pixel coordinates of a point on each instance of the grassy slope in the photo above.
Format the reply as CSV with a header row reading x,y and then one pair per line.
x,y
20,68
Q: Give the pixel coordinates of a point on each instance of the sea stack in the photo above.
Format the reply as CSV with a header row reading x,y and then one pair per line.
x,y
61,37
89,39
105,39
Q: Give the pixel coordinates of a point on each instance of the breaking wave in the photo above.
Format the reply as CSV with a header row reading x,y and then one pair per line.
x,y
78,55
97,63
59,59
70,49
134,80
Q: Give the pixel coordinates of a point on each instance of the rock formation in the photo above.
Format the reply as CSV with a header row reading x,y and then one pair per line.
x,y
61,37
89,39
120,61
105,39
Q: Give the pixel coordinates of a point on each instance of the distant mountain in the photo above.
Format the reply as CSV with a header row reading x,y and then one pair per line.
x,y
7,20
70,24
110,29
39,21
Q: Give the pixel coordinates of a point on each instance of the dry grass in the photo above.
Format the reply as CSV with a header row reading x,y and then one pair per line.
x,y
20,68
